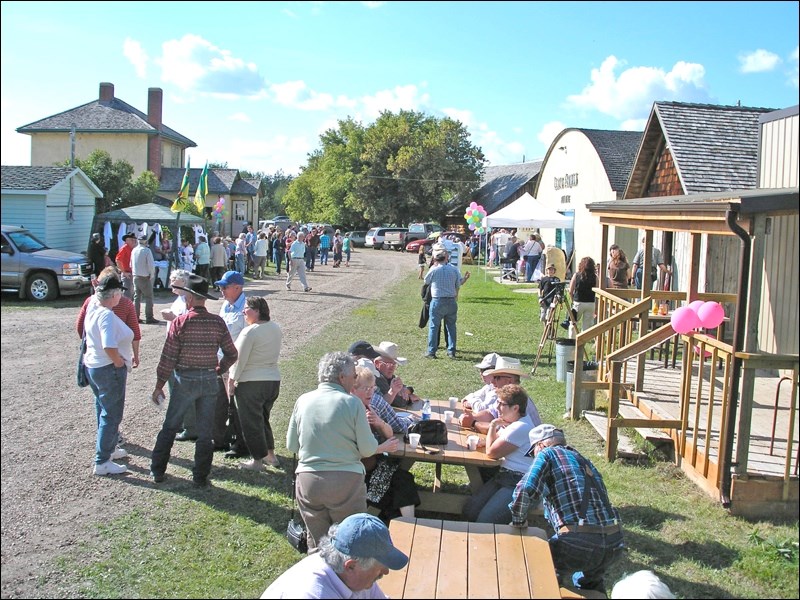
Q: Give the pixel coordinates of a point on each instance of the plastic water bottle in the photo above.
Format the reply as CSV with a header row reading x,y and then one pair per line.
x,y
426,410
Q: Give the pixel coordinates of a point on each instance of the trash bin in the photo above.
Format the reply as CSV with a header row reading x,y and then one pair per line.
x,y
588,373
565,350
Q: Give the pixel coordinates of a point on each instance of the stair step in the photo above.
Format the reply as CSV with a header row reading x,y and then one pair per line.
x,y
654,436
625,445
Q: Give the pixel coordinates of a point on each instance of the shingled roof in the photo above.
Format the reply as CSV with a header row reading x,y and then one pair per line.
x,y
114,116
220,181
617,151
499,185
38,179
714,147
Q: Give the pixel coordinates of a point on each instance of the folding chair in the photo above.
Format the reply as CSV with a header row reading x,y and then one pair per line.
x,y
509,271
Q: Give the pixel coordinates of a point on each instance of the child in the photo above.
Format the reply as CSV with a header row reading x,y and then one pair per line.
x,y
547,291
421,261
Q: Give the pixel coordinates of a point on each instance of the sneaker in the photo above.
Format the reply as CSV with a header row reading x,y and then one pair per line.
x,y
109,468
430,356
451,355
288,287
252,465
118,453
307,289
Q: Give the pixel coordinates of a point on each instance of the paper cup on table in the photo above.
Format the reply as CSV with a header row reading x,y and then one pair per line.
x,y
472,442
448,416
413,439
453,402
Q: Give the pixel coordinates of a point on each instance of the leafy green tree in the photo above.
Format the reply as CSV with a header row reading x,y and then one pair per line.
x,y
141,190
405,167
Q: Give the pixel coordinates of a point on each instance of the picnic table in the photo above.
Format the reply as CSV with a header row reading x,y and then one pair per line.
x,y
457,559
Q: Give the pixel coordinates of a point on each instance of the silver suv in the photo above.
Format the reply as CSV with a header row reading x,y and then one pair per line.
x,y
38,272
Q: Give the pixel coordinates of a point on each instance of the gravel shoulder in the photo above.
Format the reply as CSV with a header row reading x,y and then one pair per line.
x,y
50,499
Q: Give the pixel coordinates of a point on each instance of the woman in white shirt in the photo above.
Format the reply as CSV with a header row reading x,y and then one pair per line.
x,y
507,440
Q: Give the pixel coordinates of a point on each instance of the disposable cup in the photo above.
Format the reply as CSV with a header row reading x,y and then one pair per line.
x,y
472,442
448,416
453,401
413,440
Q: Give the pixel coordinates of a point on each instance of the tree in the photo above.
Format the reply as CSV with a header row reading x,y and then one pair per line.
x,y
114,180
405,167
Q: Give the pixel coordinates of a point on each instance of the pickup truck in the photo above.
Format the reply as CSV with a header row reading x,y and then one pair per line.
x,y
38,272
394,237
416,231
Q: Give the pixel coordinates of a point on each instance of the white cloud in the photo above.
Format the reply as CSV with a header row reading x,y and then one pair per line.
x,y
136,55
496,150
793,67
268,155
402,97
240,117
195,65
549,132
758,61
631,94
296,94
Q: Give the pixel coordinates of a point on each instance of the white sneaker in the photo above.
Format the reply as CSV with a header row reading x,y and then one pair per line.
x,y
119,453
252,465
110,468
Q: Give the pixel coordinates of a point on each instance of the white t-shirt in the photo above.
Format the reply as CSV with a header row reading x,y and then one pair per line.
x,y
517,435
103,330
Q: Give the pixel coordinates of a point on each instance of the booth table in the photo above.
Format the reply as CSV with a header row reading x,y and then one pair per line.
x,y
455,452
456,559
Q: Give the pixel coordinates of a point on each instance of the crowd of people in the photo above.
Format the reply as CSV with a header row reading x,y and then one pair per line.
x,y
219,377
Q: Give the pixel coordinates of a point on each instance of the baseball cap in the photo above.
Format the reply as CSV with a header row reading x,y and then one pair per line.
x,y
230,278
369,365
362,348
489,361
364,536
543,432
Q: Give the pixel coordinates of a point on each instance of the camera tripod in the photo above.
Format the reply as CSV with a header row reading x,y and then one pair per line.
x,y
558,304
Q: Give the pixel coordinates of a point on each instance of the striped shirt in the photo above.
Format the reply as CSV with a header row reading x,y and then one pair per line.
x,y
556,475
192,343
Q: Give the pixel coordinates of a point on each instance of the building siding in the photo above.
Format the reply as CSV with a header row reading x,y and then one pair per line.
x,y
48,149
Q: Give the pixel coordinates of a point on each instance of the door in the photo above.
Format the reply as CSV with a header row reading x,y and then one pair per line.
x,y
239,217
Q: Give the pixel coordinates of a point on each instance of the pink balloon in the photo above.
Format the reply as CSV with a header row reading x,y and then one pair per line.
x,y
684,319
711,314
695,306
473,205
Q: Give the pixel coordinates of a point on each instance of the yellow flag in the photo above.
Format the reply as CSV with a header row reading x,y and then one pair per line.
x,y
183,195
202,190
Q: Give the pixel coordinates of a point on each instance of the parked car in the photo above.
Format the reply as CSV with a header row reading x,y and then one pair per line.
x,y
376,235
358,238
432,239
38,272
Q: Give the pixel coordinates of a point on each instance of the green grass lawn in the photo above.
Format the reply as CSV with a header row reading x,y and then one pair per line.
x,y
228,542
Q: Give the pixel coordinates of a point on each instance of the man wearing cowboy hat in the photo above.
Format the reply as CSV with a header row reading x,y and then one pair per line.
x,y
506,371
587,536
190,354
391,387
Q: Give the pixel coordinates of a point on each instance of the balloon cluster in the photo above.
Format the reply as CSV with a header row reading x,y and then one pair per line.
x,y
219,211
474,216
697,314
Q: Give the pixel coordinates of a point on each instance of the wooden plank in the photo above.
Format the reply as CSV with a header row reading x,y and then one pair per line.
x,y
481,562
402,532
510,555
452,581
625,446
441,502
422,568
539,562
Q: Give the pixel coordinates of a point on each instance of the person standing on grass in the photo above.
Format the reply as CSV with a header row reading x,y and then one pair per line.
x,y
330,434
190,356
257,381
587,533
444,281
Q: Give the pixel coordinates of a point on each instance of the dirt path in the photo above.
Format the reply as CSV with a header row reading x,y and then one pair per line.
x,y
50,499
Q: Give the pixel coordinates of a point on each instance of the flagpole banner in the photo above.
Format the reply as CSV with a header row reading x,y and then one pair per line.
x,y
181,202
202,190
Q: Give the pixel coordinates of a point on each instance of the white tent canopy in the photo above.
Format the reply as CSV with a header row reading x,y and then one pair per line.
x,y
527,212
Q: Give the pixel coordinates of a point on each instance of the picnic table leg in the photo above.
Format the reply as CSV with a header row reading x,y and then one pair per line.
x,y
437,478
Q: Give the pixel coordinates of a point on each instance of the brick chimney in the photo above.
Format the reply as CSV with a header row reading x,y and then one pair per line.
x,y
155,102
106,92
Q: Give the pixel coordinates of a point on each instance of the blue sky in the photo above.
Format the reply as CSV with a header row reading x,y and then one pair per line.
x,y
255,84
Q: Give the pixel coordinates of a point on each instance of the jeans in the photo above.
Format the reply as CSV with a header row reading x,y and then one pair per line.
x,y
591,553
192,386
490,503
277,258
240,264
108,384
442,309
530,265
323,256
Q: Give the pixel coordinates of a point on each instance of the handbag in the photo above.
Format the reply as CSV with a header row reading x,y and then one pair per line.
x,y
81,376
296,529
430,432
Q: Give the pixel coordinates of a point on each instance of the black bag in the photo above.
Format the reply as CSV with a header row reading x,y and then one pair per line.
x,y
430,432
81,376
296,529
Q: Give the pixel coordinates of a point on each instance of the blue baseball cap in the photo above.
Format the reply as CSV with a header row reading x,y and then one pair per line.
x,y
230,278
364,536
